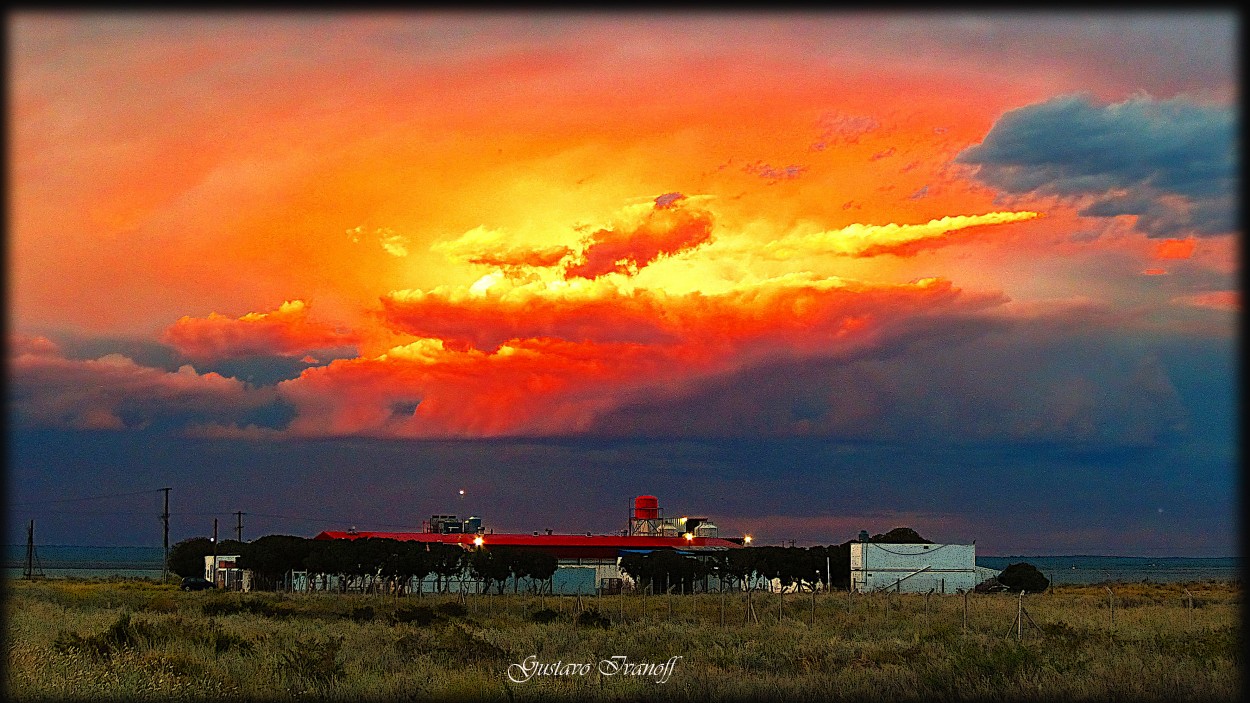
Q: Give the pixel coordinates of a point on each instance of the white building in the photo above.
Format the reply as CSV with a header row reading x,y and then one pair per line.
x,y
226,574
915,568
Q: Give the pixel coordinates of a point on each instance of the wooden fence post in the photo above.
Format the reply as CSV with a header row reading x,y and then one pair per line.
x,y
965,611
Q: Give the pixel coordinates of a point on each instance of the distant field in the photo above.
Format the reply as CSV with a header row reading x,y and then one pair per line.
x,y
128,640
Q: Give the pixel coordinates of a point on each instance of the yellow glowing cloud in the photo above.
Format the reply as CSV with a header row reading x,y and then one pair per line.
x,y
867,240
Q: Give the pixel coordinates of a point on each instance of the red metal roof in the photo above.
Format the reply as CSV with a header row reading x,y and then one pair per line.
x,y
567,546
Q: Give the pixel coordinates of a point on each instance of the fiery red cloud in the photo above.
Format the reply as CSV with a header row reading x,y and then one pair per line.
x,y
1175,248
564,363
286,331
665,230
538,229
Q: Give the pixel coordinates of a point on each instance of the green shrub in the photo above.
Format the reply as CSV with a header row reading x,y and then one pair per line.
x,y
162,603
1023,577
311,660
462,645
258,606
122,634
592,618
220,606
453,610
418,614
544,616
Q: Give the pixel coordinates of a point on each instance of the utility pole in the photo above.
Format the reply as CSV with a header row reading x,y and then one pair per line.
x,y
165,519
30,551
214,570
239,527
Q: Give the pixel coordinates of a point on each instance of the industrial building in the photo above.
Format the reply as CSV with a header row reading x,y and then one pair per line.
x,y
915,568
587,562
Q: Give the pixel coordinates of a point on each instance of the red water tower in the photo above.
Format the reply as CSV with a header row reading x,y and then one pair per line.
x,y
645,517
646,508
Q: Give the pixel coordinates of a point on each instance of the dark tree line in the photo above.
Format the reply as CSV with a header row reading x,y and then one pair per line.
x,y
376,564
796,568
371,564
497,564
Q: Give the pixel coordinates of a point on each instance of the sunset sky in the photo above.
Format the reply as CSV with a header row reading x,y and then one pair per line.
x,y
805,274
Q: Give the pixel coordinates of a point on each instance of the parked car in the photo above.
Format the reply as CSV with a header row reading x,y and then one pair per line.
x,y
196,583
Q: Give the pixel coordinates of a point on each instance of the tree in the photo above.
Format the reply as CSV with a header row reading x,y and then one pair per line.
x,y
186,558
492,565
638,569
272,556
331,556
446,560
1023,577
900,535
534,565
414,562
664,569
743,564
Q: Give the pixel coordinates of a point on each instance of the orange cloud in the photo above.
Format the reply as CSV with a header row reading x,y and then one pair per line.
x,y
33,345
286,331
537,360
483,247
1216,300
665,230
864,240
485,322
1175,248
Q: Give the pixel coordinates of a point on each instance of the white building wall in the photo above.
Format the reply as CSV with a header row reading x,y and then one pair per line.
x,y
913,568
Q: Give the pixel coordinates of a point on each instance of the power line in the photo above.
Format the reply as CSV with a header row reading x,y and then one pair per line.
x,y
92,512
73,500
301,518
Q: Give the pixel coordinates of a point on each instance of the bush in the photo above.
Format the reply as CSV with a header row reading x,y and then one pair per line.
x,y
453,610
311,660
162,603
122,634
363,613
1023,577
419,614
544,616
592,618
256,606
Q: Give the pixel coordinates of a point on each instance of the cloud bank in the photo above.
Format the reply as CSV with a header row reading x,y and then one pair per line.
x,y
1171,163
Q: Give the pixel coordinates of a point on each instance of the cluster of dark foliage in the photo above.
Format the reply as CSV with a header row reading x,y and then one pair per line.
x,y
381,563
374,563
1023,577
797,568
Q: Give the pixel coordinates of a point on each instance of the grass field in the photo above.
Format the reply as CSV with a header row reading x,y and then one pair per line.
x,y
135,640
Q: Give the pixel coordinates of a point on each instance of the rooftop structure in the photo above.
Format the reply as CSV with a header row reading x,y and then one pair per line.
x,y
585,546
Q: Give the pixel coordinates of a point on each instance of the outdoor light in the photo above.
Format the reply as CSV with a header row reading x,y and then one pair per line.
x,y
477,541
747,539
688,536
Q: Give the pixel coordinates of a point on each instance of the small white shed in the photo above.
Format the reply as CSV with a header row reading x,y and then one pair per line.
x,y
914,568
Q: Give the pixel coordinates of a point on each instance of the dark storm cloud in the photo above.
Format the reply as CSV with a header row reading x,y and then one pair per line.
x,y
944,382
1172,163
113,392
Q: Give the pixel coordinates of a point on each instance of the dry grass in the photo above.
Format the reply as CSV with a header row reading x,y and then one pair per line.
x,y
114,641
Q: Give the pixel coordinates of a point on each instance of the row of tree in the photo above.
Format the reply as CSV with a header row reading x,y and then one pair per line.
x,y
370,564
796,568
373,564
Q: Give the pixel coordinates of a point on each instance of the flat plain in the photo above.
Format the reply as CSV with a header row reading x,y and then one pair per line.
x,y
140,640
